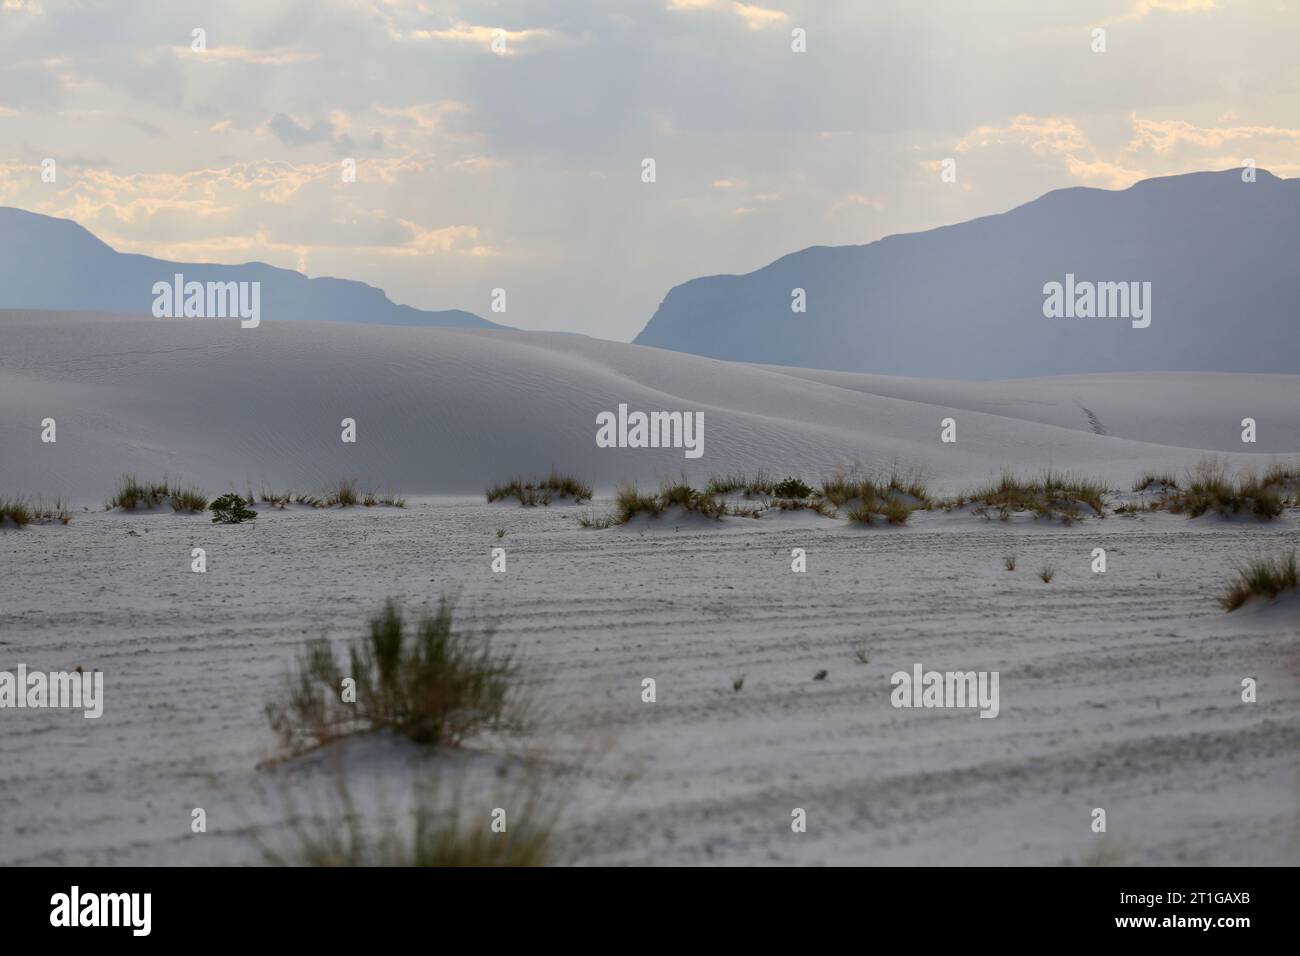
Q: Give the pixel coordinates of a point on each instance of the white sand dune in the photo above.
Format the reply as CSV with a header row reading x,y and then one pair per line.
x,y
449,411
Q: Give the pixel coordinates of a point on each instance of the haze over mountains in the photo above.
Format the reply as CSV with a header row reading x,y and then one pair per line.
x,y
55,264
966,301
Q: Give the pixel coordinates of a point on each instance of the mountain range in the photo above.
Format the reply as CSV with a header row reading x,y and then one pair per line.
x,y
55,264
1221,254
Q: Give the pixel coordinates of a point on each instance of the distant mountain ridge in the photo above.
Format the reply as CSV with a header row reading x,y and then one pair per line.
x,y
55,264
966,301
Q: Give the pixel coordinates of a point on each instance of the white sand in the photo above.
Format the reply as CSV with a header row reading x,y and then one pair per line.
x,y
1118,690
450,411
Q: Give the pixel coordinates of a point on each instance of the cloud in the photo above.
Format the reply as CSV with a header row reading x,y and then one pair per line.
x,y
529,40
1041,134
246,55
292,133
1154,147
753,16
758,18
1163,136
856,201
1145,7
446,239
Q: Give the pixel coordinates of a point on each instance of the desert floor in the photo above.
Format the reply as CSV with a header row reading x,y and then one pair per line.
x,y
1118,690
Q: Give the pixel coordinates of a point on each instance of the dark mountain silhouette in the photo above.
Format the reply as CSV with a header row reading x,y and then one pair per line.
x,y
966,301
55,264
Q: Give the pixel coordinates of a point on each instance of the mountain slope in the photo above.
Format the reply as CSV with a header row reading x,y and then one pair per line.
x,y
55,264
966,301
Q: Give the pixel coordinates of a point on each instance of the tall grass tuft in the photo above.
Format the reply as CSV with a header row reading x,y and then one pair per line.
x,y
426,679
1210,487
15,511
1261,577
1050,495
531,492
133,494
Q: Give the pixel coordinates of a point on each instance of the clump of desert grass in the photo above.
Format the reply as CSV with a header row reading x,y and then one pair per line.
x,y
1051,495
424,677
815,504
1157,481
679,494
1209,487
751,486
630,501
275,499
890,498
1009,562
1047,572
531,492
436,829
1266,576
16,512
590,519
344,493
20,512
133,494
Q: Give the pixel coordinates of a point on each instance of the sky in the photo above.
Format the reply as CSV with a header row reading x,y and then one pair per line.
x,y
501,145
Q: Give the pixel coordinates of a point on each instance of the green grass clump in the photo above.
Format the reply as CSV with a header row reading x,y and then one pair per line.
x,y
1261,577
630,502
230,509
841,488
792,488
759,484
16,512
682,495
133,494
1050,495
534,491
892,498
1162,480
427,679
344,494
895,511
20,512
863,513
1209,487
589,519
817,505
